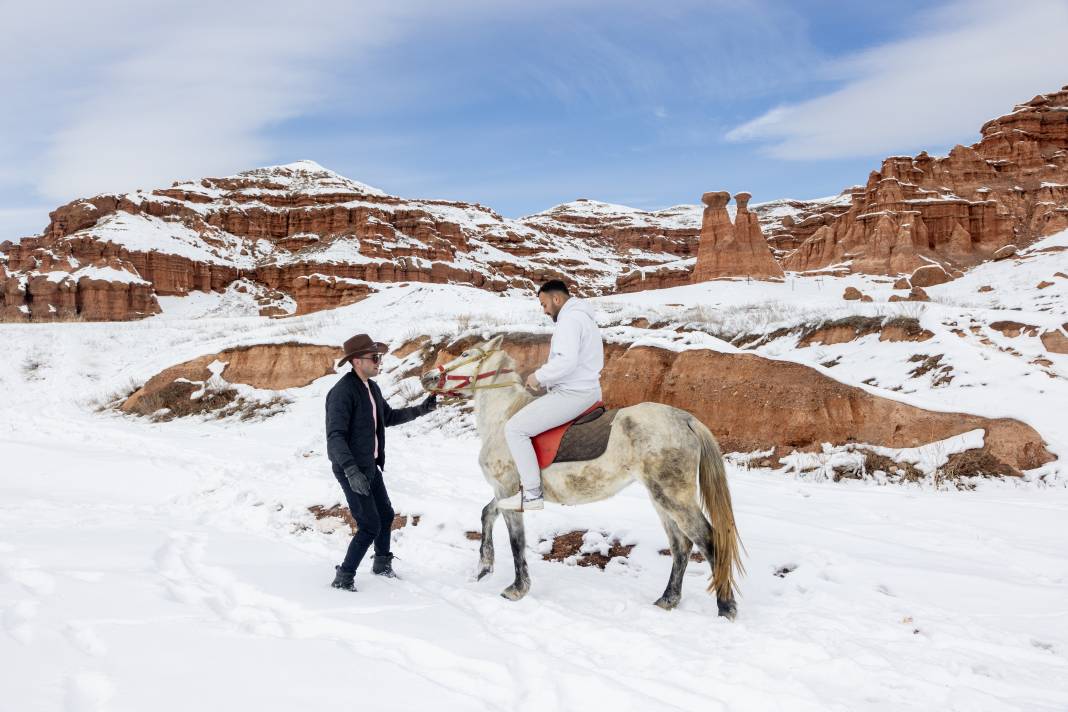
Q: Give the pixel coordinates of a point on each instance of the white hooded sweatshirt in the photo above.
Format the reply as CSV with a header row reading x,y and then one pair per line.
x,y
576,354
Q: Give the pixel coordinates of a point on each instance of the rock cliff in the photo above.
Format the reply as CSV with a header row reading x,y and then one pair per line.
x,y
304,232
1009,188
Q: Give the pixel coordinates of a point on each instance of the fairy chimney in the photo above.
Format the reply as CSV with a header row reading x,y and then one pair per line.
x,y
732,250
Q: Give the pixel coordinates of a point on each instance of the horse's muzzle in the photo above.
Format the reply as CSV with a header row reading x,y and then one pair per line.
x,y
429,380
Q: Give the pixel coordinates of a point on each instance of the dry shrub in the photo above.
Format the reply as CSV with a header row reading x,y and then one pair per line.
x,y
975,463
174,401
943,372
900,471
175,398
910,325
959,467
254,410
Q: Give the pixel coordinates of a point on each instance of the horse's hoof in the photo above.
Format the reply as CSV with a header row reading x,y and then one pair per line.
x,y
667,603
512,593
484,572
728,609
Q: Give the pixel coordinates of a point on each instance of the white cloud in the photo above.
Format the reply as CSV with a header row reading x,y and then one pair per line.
x,y
973,61
118,95
119,100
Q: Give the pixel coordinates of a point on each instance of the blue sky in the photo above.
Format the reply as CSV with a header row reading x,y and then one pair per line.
x,y
516,105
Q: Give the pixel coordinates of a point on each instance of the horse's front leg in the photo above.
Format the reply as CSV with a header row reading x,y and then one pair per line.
x,y
517,536
485,552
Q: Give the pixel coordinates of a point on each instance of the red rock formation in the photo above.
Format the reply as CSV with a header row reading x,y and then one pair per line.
x,y
267,366
309,233
732,250
929,276
1010,188
788,223
674,231
1055,340
672,274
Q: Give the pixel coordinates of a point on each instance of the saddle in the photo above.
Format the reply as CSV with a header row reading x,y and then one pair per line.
x,y
584,438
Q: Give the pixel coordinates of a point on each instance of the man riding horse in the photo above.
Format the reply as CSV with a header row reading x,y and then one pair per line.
x,y
572,376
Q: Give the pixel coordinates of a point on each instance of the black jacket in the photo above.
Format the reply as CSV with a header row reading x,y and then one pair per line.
x,y
350,439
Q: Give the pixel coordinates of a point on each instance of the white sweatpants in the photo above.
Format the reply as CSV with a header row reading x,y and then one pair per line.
x,y
544,413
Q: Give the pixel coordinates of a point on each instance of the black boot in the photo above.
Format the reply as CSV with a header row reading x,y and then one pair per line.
x,y
383,566
344,579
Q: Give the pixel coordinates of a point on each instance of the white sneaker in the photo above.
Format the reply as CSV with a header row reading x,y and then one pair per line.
x,y
511,504
519,502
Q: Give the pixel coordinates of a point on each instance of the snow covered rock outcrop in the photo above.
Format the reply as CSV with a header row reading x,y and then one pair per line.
x,y
265,367
1010,188
301,230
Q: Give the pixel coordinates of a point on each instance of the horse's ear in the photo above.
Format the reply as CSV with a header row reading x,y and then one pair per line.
x,y
494,343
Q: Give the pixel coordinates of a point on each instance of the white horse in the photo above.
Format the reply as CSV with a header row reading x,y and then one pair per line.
x,y
668,450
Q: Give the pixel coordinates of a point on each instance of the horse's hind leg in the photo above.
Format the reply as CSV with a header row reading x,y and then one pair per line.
x,y
680,557
517,537
485,551
692,521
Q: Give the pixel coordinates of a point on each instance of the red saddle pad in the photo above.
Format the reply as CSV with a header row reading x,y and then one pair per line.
x,y
547,444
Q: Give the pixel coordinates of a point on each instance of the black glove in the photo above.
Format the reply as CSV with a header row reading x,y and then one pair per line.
x,y
429,404
357,480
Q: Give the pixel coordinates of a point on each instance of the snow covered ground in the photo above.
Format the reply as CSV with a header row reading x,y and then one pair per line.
x,y
175,566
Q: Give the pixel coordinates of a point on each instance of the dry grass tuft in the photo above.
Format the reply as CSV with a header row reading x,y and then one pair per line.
x,y
899,471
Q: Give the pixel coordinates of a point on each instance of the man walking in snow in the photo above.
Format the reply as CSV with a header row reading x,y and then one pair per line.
x,y
572,376
356,418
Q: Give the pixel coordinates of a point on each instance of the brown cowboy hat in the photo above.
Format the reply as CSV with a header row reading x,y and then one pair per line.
x,y
360,345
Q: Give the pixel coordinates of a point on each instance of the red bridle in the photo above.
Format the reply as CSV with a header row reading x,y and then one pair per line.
x,y
468,382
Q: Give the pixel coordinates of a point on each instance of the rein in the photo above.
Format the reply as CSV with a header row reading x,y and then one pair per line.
x,y
471,383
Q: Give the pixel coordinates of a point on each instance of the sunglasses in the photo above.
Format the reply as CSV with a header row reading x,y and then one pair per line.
x,y
374,358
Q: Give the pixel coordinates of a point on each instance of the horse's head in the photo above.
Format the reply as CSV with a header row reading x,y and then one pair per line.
x,y
477,367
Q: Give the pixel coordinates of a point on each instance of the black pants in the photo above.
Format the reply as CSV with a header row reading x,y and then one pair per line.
x,y
374,519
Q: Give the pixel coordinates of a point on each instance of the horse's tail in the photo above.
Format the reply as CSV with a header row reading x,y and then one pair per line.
x,y
716,500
